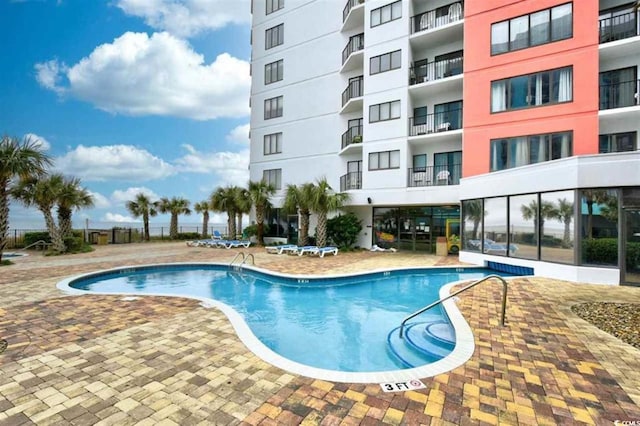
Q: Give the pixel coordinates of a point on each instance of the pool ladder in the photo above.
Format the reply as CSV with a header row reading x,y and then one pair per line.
x,y
244,257
473,284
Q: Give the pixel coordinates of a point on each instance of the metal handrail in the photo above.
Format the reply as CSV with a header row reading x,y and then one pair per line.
x,y
237,256
473,284
35,244
250,255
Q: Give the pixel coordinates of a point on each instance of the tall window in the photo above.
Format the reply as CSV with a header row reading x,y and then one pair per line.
x,y
387,62
520,151
385,14
273,177
274,5
526,91
384,160
273,143
618,142
618,88
536,28
384,111
273,108
274,36
273,72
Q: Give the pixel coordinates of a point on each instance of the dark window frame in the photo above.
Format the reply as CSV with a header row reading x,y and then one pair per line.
x,y
269,36
269,140
391,117
277,177
279,71
548,149
274,109
379,10
379,58
634,137
278,3
388,153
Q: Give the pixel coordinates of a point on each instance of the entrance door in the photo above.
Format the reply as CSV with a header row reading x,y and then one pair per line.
x,y
292,229
631,249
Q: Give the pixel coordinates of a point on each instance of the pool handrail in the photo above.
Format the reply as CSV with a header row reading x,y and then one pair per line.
x,y
473,284
42,243
250,255
240,254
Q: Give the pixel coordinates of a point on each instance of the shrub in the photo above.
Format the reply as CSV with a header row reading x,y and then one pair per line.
x,y
343,230
252,230
33,237
600,251
188,236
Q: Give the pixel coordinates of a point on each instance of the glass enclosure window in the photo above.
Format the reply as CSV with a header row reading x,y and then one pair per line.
x,y
385,227
472,213
495,226
599,226
618,142
523,226
526,91
557,226
386,13
523,150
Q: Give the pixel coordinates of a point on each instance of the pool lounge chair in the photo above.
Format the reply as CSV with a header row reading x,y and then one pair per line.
x,y
216,235
320,251
280,249
235,244
305,249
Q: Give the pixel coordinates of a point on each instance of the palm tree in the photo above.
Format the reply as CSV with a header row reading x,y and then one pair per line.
x,y
547,210
473,211
175,206
593,196
298,200
243,205
203,208
564,213
259,193
43,193
18,159
143,206
224,200
324,201
72,196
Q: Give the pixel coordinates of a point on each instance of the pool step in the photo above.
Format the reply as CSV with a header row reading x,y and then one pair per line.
x,y
423,342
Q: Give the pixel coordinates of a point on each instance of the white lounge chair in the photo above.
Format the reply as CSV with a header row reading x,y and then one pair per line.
x,y
306,249
280,249
236,244
325,250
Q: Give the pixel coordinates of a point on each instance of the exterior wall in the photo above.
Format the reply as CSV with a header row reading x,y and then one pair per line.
x,y
480,69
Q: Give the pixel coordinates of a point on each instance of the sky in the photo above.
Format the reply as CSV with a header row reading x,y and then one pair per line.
x,y
130,96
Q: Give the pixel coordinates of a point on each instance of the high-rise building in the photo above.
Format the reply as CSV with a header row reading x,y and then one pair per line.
x,y
507,127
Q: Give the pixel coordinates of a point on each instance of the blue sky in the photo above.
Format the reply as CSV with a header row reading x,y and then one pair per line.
x,y
129,95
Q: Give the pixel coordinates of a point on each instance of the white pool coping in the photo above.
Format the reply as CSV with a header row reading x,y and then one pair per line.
x,y
461,353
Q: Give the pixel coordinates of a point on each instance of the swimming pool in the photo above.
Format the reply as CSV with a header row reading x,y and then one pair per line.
x,y
13,255
343,325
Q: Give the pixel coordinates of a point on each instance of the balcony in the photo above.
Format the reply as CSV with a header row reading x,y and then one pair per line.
x,y
352,180
351,136
352,95
353,53
619,95
618,27
435,123
437,18
421,72
353,14
447,174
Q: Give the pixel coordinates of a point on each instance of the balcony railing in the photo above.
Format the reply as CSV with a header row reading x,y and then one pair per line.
x,y
435,122
437,17
435,70
447,174
618,27
347,8
353,135
355,43
619,95
352,180
353,90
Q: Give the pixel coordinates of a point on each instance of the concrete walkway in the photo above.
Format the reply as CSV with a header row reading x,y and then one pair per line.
x,y
154,360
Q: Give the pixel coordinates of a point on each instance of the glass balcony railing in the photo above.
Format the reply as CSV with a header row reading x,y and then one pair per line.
x,y
619,95
421,71
435,122
352,180
446,174
355,89
347,8
355,43
437,17
618,27
353,135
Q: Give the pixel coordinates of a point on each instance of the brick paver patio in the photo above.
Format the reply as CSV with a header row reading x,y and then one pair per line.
x,y
156,360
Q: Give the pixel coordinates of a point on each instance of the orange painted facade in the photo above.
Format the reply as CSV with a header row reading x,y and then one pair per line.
x,y
480,69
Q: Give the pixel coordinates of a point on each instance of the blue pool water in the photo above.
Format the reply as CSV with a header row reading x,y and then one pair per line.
x,y
336,324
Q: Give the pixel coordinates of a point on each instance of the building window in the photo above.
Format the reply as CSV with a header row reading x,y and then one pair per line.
x,y
385,14
273,177
273,108
526,91
387,62
273,72
530,30
274,36
384,111
274,5
273,143
520,151
618,142
384,160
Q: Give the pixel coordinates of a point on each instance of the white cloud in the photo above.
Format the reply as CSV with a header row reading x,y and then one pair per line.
x,y
240,134
113,162
99,200
157,75
129,194
117,217
186,18
38,140
230,167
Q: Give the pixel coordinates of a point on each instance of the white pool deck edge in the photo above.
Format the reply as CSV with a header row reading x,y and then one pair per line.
x,y
461,353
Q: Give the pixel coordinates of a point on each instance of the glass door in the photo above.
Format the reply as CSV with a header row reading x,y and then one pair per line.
x,y
631,274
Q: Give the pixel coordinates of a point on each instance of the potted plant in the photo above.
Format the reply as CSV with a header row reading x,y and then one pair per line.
x,y
356,139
